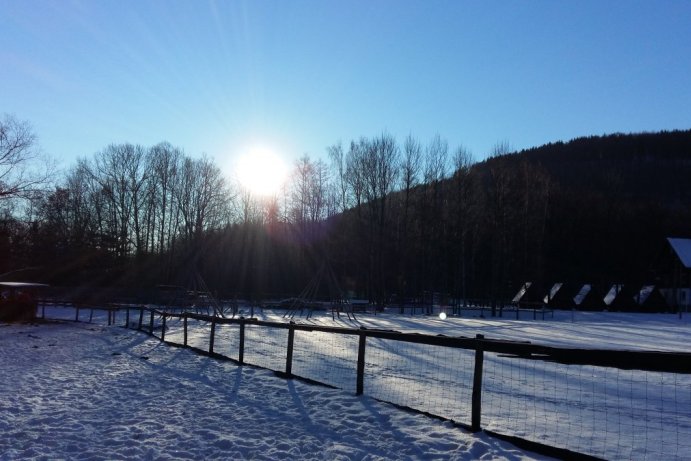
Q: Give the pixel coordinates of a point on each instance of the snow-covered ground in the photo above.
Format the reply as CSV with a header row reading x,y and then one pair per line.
x,y
166,394
603,330
87,391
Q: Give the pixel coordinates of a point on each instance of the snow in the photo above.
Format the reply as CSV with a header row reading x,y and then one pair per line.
x,y
78,390
84,391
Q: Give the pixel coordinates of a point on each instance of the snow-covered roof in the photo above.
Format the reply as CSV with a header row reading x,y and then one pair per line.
x,y
682,247
521,292
613,293
645,293
552,292
582,293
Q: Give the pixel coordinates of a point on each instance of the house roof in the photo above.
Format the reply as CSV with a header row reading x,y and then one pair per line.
x,y
582,293
613,293
645,293
553,292
524,288
682,247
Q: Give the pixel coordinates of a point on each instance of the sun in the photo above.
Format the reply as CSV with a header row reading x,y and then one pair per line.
x,y
261,171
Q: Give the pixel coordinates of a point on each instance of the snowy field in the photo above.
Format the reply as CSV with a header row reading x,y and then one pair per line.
x,y
610,413
87,391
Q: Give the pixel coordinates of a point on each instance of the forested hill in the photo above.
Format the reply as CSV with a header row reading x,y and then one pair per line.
x,y
646,165
387,221
610,201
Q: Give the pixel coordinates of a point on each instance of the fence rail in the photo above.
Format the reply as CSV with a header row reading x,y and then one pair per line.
x,y
561,401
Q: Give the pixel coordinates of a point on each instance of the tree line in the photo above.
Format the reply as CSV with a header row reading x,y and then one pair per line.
x,y
375,218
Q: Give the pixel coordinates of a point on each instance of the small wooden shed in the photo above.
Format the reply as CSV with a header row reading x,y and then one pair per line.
x,y
18,301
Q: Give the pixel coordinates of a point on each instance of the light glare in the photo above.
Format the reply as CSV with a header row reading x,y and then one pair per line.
x,y
262,172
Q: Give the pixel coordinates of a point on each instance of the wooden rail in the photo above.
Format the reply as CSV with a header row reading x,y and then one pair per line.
x,y
666,362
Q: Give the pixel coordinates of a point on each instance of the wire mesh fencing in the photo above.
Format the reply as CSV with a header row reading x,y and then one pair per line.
x,y
427,378
564,402
264,347
606,412
326,357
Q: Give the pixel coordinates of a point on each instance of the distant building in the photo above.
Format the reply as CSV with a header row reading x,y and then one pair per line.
x,y
588,298
560,296
625,298
678,291
528,296
620,298
650,299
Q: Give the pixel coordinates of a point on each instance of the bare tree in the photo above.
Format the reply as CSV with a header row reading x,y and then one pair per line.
x,y
412,162
338,163
381,167
355,172
433,223
81,215
23,169
163,165
411,165
120,171
462,213
501,189
436,164
202,196
301,190
310,193
500,149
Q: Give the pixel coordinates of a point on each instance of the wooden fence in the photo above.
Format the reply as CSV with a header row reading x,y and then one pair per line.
x,y
155,322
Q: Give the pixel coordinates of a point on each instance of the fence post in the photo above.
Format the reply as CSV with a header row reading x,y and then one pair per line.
x,y
163,327
241,355
212,335
151,322
43,311
76,317
361,365
289,353
477,385
184,323
141,317
127,317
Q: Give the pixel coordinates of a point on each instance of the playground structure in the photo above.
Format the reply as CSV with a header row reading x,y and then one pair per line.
x,y
307,302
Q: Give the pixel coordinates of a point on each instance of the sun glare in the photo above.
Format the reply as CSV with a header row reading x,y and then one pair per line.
x,y
262,172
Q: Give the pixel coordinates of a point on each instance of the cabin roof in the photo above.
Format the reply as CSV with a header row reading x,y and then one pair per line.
x,y
582,293
682,248
524,288
613,293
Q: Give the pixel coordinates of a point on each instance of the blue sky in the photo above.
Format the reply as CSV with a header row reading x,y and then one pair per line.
x,y
218,77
